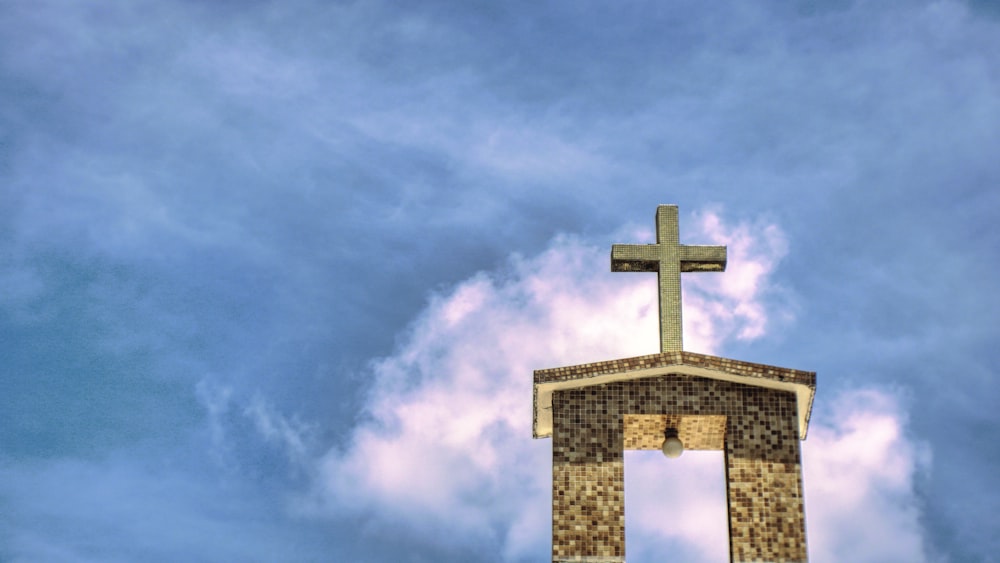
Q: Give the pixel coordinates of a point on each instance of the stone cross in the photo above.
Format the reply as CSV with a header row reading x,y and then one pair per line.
x,y
668,258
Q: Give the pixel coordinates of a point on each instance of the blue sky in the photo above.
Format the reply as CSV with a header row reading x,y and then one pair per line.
x,y
274,275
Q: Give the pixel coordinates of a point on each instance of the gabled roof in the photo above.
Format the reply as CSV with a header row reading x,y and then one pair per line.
x,y
801,383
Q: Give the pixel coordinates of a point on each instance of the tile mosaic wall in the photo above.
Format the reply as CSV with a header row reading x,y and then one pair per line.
x,y
697,431
592,426
735,367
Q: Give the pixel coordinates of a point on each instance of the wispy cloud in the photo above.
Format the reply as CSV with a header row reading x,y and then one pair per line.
x,y
742,303
290,435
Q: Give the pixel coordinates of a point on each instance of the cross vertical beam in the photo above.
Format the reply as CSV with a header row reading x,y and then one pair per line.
x,y
668,258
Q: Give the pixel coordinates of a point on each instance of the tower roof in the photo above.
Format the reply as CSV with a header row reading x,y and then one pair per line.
x,y
801,383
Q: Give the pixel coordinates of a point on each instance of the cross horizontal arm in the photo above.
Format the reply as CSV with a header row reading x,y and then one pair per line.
x,y
695,258
635,258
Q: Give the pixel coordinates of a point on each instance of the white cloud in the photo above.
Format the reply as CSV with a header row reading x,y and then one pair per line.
x,y
859,468
733,304
446,446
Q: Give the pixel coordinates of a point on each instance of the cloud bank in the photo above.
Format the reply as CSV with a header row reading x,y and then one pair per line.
x,y
445,449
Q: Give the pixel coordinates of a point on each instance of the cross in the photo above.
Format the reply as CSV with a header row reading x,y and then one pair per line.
x,y
668,258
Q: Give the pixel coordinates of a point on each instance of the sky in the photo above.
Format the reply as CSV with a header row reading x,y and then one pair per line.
x,y
274,276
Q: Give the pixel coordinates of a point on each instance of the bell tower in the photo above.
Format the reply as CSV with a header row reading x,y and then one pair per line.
x,y
756,414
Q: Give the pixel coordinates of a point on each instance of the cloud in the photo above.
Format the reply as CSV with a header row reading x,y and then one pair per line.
x,y
444,447
859,470
216,400
737,304
447,446
290,435
676,507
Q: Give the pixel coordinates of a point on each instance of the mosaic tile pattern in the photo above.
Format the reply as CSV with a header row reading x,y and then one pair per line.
x,y
697,431
593,425
764,483
735,367
668,258
803,382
